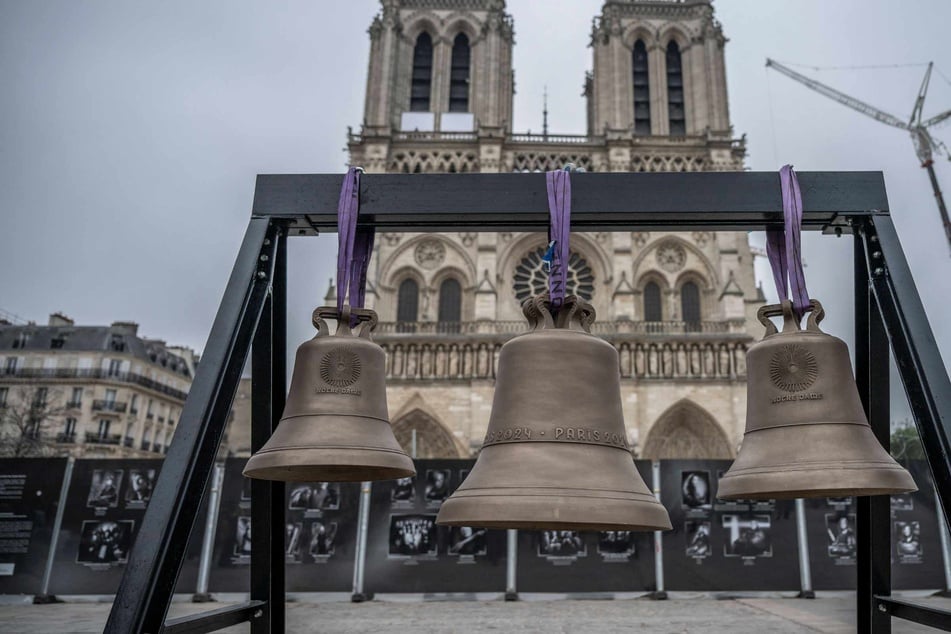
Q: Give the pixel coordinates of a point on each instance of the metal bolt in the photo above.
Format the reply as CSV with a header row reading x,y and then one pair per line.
x,y
874,238
301,232
258,614
882,608
264,258
878,271
267,241
876,254
262,275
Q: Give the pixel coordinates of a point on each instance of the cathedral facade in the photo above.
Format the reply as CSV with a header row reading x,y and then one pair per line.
x,y
679,307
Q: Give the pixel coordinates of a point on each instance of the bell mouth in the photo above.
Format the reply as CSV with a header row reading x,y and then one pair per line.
x,y
540,510
815,480
329,465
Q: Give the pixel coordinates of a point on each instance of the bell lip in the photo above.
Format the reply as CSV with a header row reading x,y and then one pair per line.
x,y
329,465
788,485
534,513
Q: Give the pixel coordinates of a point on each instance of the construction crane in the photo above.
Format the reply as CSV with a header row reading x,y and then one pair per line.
x,y
926,146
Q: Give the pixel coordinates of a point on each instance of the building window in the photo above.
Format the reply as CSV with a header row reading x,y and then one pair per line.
x,y
76,400
69,431
57,342
110,396
114,366
450,305
642,97
104,424
4,391
422,73
22,340
652,305
134,405
11,365
40,396
531,276
690,305
675,91
407,308
459,75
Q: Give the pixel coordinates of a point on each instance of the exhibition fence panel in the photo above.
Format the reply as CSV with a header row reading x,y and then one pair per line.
x,y
715,545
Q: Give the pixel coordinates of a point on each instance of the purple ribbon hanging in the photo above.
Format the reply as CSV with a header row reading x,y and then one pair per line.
x,y
784,248
354,246
559,209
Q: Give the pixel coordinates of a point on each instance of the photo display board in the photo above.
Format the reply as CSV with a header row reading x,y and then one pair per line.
x,y
917,560
319,540
105,506
572,561
407,552
724,544
29,497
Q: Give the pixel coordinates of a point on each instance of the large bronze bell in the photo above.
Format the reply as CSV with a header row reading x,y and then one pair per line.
x,y
335,425
806,432
556,454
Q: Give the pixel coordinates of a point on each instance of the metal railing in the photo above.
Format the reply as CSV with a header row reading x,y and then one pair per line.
x,y
105,375
74,405
145,445
128,441
65,438
607,329
108,439
109,406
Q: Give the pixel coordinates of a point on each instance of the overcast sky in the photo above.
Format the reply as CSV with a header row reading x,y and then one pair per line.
x,y
131,132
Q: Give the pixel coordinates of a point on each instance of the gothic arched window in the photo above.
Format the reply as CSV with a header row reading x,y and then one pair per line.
x,y
642,98
652,306
450,305
422,73
407,306
690,305
675,91
459,75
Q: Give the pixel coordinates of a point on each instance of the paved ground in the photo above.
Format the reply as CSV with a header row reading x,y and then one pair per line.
x,y
740,616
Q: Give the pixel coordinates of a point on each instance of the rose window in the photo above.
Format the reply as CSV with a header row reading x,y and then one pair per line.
x,y
531,276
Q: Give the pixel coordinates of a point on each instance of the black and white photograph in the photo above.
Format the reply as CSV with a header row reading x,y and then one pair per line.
x,y
412,535
747,536
139,490
839,502
437,485
292,541
697,535
242,537
903,502
322,540
105,542
104,488
318,496
840,530
908,542
465,540
404,491
695,490
616,544
561,544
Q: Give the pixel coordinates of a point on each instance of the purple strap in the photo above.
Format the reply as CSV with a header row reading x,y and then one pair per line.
x,y
784,248
354,247
559,209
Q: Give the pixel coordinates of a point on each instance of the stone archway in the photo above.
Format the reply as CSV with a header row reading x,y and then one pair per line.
x,y
687,431
433,440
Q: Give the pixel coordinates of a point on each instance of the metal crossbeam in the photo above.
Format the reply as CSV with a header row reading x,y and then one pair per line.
x,y
214,620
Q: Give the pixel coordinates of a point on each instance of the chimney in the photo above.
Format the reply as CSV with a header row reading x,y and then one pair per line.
x,y
126,327
59,319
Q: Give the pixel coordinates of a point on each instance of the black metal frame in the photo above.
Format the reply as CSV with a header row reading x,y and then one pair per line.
x,y
252,316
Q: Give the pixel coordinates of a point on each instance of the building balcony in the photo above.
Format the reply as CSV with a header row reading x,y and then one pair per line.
x,y
65,438
109,406
128,441
149,416
109,439
145,445
161,419
134,411
94,374
623,328
157,448
74,405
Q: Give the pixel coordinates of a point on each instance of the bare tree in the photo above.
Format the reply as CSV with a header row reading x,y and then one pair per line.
x,y
27,419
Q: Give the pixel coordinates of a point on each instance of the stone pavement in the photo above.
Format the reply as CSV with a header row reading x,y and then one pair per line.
x,y
738,616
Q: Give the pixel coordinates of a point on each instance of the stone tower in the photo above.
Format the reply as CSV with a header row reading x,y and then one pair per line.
x,y
680,308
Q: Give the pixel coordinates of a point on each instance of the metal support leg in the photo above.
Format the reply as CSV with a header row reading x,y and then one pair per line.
x,y
208,539
267,497
660,592
873,516
363,529
148,583
805,570
511,564
945,546
44,596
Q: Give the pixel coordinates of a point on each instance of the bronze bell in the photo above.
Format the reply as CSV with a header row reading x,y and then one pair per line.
x,y
806,432
335,425
556,454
